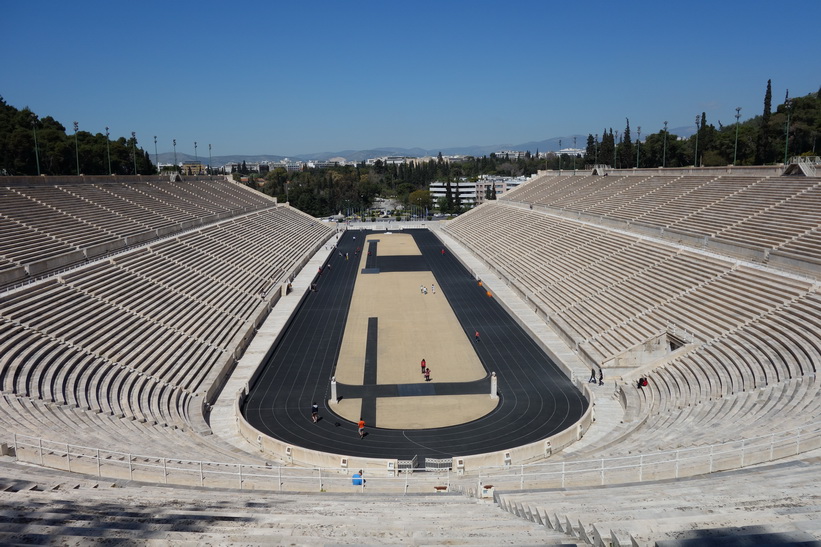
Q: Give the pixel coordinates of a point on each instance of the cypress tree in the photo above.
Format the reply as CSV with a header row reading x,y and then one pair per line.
x,y
627,147
763,142
590,151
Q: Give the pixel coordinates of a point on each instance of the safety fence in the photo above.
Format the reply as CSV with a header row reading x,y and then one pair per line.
x,y
645,467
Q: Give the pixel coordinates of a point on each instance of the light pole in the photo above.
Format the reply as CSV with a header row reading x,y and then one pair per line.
x,y
616,151
134,149
638,146
695,156
788,105
108,149
210,170
735,147
574,153
76,147
156,156
36,151
196,157
664,157
175,154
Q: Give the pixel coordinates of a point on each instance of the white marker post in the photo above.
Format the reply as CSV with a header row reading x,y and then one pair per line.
x,y
493,386
334,398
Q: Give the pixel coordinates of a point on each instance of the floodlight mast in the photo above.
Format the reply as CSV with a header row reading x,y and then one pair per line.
x,y
735,147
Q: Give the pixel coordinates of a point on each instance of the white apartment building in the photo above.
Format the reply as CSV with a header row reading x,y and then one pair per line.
x,y
390,160
464,189
472,194
500,184
510,154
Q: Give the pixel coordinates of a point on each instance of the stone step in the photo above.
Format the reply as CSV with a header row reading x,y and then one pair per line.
x,y
737,537
218,517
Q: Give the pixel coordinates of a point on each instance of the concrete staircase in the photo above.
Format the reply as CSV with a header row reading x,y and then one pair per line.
x,y
773,504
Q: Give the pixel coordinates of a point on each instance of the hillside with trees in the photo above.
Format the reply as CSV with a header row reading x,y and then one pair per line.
x,y
763,139
58,152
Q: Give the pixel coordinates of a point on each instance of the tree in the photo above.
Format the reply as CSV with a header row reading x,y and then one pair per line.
x,y
607,148
626,153
762,146
590,151
421,199
448,198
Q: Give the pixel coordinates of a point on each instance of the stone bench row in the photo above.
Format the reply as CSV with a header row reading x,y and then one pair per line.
x,y
68,224
138,335
772,212
57,424
41,367
611,312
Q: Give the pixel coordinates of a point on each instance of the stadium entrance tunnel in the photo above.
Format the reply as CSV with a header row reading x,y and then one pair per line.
x,y
655,350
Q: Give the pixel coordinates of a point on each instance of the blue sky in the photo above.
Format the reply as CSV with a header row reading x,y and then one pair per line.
x,y
291,78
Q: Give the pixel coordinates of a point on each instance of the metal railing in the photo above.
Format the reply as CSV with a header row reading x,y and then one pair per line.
x,y
809,164
650,466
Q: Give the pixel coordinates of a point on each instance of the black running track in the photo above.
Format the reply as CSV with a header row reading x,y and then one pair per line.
x,y
536,399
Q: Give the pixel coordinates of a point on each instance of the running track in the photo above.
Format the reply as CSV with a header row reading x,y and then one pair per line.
x,y
536,399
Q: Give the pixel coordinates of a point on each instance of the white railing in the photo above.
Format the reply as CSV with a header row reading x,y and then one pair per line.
x,y
671,464
644,467
387,225
809,164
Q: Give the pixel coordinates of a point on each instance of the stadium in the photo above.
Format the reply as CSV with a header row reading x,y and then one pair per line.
x,y
163,340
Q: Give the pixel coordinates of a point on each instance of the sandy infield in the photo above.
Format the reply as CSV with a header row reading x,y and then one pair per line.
x,y
412,326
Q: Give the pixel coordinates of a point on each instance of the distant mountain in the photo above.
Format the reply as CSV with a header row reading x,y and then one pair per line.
x,y
362,155
550,145
168,157
683,132
547,145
